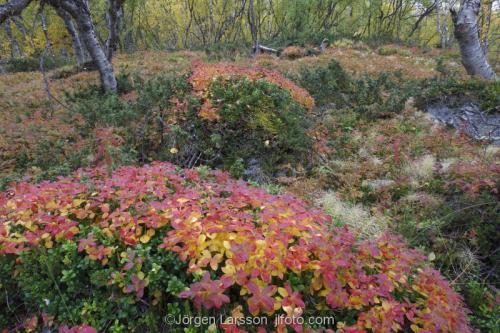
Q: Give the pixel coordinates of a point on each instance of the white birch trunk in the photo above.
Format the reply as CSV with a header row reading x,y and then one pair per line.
x,y
466,33
81,54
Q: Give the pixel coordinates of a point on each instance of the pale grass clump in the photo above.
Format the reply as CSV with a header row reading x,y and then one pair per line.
x,y
447,163
357,217
492,153
422,168
376,161
364,153
468,265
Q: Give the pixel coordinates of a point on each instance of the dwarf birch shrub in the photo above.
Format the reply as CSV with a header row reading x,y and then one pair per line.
x,y
126,249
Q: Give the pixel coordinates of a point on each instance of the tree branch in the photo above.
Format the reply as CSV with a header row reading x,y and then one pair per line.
x,y
12,8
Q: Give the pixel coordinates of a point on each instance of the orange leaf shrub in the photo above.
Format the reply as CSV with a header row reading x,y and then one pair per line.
x,y
256,252
204,74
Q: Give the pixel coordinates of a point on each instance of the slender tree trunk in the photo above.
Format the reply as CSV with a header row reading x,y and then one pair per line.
x,y
45,30
81,53
444,30
102,62
15,49
438,22
253,27
12,8
442,24
113,15
485,29
466,33
18,22
80,12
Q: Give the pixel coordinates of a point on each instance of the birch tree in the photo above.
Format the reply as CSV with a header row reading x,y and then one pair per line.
x,y
467,35
80,12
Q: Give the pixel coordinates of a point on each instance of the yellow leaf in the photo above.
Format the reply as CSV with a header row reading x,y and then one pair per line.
x,y
282,292
229,269
140,275
49,244
51,205
78,202
145,239
11,204
386,306
237,312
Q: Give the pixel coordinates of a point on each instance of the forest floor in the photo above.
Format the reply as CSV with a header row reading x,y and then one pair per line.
x,y
402,173
24,97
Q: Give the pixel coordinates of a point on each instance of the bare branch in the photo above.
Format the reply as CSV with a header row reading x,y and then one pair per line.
x,y
12,8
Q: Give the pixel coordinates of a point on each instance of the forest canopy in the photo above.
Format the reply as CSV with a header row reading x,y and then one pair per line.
x,y
167,24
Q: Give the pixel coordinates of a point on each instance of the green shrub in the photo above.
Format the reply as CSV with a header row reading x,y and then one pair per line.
x,y
32,64
486,93
485,306
141,121
326,84
258,121
371,96
387,51
62,284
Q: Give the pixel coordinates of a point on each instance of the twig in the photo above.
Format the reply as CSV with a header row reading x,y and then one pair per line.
x,y
45,79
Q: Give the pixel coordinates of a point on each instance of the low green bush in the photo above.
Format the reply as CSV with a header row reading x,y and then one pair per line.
x,y
258,121
370,96
32,64
327,84
387,51
258,125
484,305
449,88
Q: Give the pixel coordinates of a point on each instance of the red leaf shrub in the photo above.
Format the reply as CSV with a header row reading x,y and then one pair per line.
x,y
253,249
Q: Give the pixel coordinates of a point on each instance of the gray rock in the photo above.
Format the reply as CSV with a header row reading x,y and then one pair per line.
x,y
468,118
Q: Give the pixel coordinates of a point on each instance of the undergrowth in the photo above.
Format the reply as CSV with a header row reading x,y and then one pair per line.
x,y
358,137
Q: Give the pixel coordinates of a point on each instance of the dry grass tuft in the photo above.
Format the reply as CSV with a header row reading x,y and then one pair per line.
x,y
422,168
356,216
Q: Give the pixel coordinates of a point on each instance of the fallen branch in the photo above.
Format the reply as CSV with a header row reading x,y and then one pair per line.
x,y
264,49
